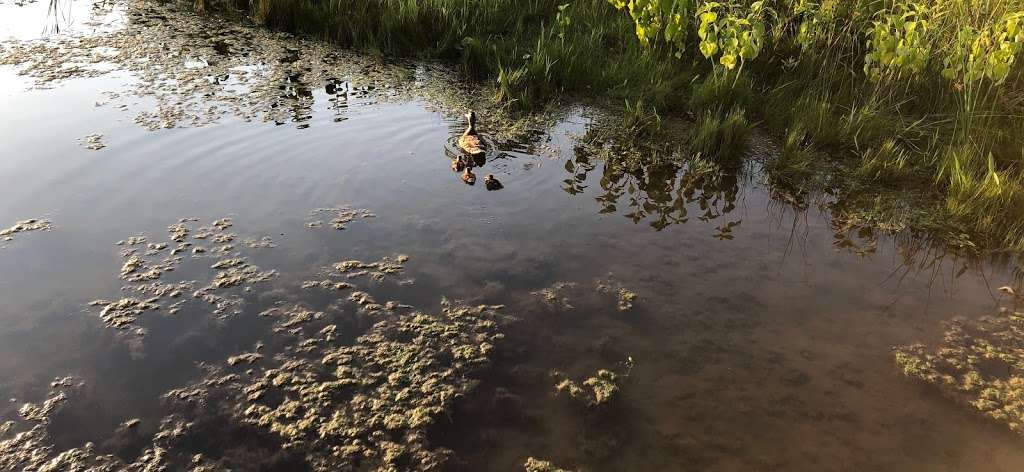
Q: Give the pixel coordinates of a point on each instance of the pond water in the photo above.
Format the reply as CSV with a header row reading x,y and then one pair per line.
x,y
745,333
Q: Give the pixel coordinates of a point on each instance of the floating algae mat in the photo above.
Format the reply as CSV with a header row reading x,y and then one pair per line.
x,y
316,390
32,224
326,398
979,363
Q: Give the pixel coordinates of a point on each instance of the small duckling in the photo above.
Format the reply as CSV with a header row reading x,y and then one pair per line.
x,y
458,165
468,177
492,183
470,142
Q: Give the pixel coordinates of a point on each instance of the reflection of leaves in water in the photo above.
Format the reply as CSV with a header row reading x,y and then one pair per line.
x,y
56,14
661,190
198,70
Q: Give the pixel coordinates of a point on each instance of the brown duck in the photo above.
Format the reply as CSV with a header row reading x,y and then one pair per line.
x,y
468,176
470,141
492,183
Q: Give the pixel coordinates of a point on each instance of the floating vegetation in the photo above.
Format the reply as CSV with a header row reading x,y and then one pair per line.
x,y
340,217
599,389
611,286
123,313
557,295
367,400
980,363
132,241
143,272
247,358
326,284
370,404
537,465
32,450
563,296
262,243
378,271
33,224
93,142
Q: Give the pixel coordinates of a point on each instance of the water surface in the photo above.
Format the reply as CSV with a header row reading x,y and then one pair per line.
x,y
760,340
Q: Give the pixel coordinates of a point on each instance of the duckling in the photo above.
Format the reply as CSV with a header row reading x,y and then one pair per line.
x,y
470,142
468,177
492,183
458,165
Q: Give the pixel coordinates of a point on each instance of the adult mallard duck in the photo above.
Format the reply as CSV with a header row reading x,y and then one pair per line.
x,y
470,142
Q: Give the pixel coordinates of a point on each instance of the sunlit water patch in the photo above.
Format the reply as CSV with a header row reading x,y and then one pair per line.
x,y
231,248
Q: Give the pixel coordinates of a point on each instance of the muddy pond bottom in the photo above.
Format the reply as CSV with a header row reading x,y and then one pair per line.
x,y
228,249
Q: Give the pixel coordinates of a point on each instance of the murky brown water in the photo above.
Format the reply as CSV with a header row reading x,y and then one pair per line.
x,y
759,339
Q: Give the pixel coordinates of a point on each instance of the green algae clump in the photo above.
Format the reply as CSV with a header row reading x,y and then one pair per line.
x,y
979,363
369,405
601,388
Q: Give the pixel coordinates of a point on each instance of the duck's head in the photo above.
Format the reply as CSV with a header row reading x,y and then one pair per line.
x,y
471,117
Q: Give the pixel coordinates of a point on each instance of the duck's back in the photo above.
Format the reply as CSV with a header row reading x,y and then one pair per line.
x,y
471,144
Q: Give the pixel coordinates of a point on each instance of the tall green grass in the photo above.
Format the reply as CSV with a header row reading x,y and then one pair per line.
x,y
528,50
925,94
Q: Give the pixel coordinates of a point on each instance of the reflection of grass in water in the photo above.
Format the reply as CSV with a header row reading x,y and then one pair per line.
x,y
813,71
56,16
652,176
980,362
